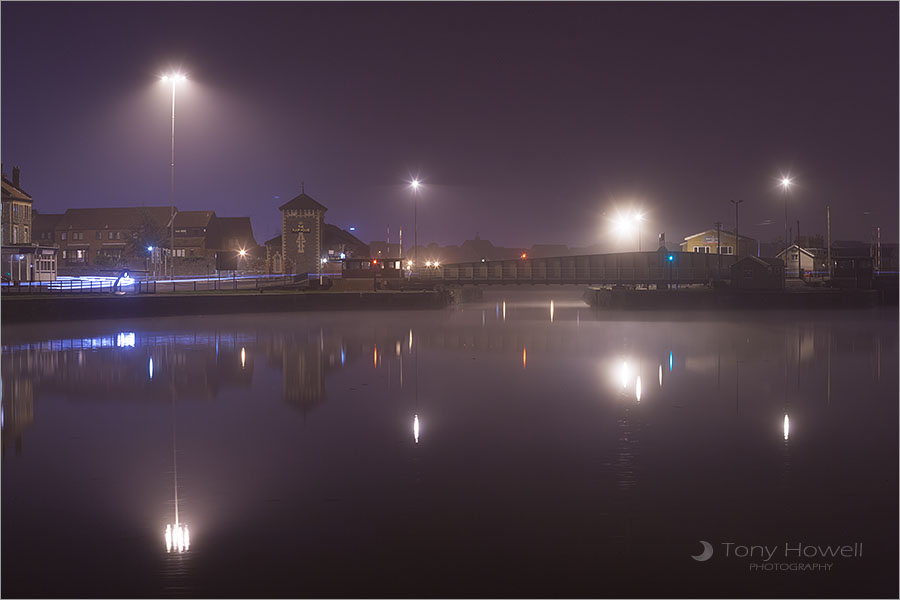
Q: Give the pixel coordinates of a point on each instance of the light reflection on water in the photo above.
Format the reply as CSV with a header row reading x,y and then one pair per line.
x,y
573,444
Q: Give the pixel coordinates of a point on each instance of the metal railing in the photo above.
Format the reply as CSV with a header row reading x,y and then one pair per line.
x,y
78,285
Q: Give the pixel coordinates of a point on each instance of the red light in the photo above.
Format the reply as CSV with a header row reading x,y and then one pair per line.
x,y
375,262
524,255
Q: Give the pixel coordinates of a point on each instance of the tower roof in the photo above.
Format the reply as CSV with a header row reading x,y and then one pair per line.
x,y
302,202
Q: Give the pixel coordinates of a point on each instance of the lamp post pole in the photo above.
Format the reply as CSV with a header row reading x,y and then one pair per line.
x,y
415,186
172,189
173,79
785,186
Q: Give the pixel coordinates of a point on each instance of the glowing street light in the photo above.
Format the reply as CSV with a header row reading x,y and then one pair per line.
x,y
174,78
785,182
623,224
414,184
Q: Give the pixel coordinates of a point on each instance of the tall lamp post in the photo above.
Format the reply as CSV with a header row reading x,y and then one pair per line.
x,y
638,217
415,188
786,183
174,78
737,239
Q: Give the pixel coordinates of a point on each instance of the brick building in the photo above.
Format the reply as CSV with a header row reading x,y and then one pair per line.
x,y
16,213
302,224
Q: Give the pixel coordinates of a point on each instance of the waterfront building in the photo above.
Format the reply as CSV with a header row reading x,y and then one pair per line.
x,y
799,261
709,242
302,224
755,273
16,213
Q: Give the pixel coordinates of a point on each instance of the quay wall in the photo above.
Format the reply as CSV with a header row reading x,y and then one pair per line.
x,y
37,309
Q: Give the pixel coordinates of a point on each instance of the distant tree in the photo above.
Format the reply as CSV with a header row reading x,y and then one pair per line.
x,y
147,233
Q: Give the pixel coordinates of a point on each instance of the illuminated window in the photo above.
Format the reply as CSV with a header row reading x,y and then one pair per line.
x,y
701,249
727,250
62,236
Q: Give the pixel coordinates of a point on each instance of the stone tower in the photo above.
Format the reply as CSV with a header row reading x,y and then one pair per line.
x,y
302,223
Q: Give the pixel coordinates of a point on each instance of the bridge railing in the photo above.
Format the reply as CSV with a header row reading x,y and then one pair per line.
x,y
634,267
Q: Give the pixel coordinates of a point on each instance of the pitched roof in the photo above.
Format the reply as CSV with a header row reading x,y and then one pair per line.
x,y
12,192
194,218
114,218
332,234
768,262
803,250
723,231
302,202
44,221
238,228
275,241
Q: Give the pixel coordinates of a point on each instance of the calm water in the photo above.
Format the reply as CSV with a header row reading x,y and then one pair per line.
x,y
537,470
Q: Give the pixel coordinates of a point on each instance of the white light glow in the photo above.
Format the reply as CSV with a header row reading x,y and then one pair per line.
x,y
125,340
178,538
551,311
504,310
660,375
243,357
637,388
787,427
151,367
624,373
415,184
416,428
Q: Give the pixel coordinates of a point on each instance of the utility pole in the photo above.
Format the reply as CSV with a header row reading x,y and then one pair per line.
x,y
737,239
799,274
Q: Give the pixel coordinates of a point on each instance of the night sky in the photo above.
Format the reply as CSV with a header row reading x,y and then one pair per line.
x,y
526,122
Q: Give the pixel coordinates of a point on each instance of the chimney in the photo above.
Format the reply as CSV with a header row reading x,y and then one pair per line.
x,y
662,241
15,179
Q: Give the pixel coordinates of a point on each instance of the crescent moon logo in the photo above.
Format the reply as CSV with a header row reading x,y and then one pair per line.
x,y
706,554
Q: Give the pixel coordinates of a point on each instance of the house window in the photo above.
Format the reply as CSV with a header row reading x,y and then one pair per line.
x,y
109,235
701,249
65,254
77,235
179,252
99,235
748,273
63,235
15,234
192,251
118,235
15,212
726,250
26,235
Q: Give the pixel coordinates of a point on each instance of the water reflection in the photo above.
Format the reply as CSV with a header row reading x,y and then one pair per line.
x,y
583,436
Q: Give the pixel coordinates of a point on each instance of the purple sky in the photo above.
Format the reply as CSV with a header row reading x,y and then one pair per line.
x,y
527,122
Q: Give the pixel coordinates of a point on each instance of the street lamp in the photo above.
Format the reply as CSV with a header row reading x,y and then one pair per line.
x,y
638,217
174,78
415,188
786,183
623,225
